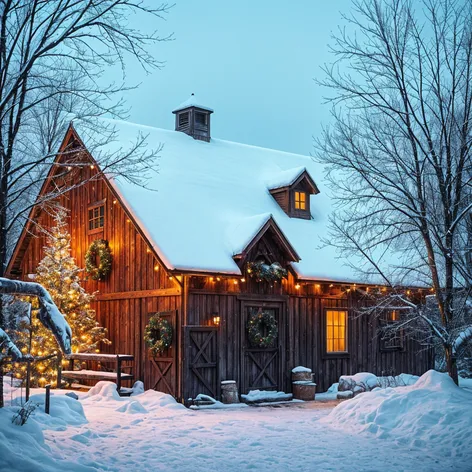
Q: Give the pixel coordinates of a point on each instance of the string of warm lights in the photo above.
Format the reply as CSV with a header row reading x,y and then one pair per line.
x,y
59,274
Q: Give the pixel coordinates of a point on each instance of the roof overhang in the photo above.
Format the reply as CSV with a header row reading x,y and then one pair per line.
x,y
294,180
271,225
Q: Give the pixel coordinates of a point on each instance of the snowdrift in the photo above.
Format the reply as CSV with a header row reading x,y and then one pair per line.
x,y
432,413
22,448
140,401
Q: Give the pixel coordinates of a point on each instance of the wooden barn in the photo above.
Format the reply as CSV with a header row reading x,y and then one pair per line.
x,y
225,232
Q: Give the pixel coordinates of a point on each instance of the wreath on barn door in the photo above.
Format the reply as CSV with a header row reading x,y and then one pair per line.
x,y
158,334
99,248
260,323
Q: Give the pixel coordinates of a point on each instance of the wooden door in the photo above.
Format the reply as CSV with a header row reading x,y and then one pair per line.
x,y
161,371
261,368
201,361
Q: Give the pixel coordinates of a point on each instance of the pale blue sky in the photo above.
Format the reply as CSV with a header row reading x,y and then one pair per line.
x,y
252,61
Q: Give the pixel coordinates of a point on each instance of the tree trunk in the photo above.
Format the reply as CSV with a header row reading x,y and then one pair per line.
x,y
1,385
451,364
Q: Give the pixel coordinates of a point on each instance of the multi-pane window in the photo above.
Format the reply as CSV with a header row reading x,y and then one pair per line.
x,y
336,331
96,217
300,201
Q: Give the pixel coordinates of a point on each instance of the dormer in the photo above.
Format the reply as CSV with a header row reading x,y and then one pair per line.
x,y
291,189
193,119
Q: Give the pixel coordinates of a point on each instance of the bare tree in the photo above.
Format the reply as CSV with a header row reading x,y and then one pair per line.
x,y
53,54
399,158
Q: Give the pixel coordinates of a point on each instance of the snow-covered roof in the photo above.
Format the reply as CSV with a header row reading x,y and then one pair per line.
x,y
285,178
191,102
213,198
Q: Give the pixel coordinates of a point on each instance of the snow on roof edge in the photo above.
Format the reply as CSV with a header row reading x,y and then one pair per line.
x,y
286,178
141,224
191,102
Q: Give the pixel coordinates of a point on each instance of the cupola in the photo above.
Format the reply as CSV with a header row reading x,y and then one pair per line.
x,y
193,119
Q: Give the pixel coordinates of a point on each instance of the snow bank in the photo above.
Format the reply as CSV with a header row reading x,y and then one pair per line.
x,y
131,408
265,395
22,448
63,411
366,378
138,388
138,403
352,385
465,383
215,405
103,391
432,413
152,399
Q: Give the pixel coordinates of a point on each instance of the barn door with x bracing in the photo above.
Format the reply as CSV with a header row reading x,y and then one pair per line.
x,y
201,357
161,370
261,367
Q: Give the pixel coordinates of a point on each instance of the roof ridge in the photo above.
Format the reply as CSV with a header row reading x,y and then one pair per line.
x,y
218,140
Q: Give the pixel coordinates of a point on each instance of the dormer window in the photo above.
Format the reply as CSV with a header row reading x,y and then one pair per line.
x,y
300,201
292,189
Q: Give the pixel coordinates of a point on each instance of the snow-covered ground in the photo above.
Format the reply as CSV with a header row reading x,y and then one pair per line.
x,y
424,427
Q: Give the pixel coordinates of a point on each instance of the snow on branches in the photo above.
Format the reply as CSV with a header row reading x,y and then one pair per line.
x,y
49,314
7,345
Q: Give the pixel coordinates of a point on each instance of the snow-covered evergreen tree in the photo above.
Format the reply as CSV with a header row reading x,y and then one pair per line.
x,y
59,274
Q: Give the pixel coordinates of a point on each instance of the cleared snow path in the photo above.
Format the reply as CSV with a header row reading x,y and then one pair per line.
x,y
150,432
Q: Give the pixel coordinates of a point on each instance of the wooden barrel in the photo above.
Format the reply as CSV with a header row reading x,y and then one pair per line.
x,y
229,391
301,374
304,390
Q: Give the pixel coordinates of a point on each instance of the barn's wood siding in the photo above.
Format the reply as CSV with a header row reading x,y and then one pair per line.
x,y
302,333
137,285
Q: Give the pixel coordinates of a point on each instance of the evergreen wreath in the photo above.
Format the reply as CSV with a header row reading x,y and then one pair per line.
x,y
158,334
255,329
99,248
264,272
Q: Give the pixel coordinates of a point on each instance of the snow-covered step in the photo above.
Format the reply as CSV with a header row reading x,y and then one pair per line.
x,y
94,375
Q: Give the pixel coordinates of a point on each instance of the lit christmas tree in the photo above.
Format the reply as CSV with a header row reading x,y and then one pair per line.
x,y
59,274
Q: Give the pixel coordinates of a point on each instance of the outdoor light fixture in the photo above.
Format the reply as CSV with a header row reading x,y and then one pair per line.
x,y
216,319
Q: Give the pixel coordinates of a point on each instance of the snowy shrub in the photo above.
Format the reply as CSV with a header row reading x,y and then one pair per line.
x,y
21,417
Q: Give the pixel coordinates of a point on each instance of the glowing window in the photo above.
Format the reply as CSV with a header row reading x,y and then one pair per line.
x,y
336,331
96,217
300,201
